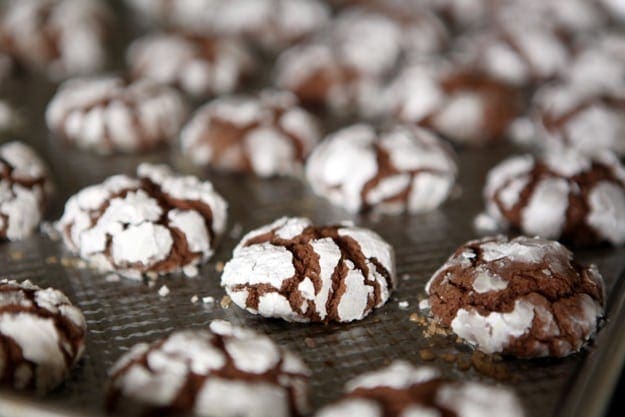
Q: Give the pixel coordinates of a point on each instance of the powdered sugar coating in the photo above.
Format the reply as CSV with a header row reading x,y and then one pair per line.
x,y
464,105
536,302
24,191
228,363
518,52
158,223
62,37
586,115
42,334
106,114
404,390
274,24
343,67
199,66
293,270
560,196
268,135
401,169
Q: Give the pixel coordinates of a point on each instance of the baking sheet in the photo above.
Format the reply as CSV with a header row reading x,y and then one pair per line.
x,y
121,314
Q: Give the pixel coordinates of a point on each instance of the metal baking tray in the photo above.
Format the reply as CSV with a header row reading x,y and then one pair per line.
x,y
121,314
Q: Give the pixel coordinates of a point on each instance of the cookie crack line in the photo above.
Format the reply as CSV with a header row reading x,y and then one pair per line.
x,y
334,273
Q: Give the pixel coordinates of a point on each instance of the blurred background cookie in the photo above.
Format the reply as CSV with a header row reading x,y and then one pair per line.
x,y
267,134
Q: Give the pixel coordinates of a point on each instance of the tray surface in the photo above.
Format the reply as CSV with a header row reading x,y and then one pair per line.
x,y
121,314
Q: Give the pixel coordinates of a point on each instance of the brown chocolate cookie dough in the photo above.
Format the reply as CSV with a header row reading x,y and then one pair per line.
x,y
524,297
402,390
293,270
224,371
267,135
563,195
42,336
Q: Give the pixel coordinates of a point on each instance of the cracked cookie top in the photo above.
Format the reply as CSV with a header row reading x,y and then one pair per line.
x,y
564,195
226,370
61,37
156,223
460,103
42,336
524,297
402,169
107,114
200,66
293,270
403,390
24,190
267,135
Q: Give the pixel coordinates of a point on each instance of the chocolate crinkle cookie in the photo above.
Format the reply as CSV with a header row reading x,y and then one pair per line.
x,y
272,24
563,195
402,169
343,66
25,190
108,114
296,271
403,390
200,66
42,336
61,37
224,371
524,297
267,135
598,65
517,52
587,119
466,106
156,223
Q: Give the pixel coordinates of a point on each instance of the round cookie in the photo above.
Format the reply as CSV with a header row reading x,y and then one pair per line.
x,y
564,195
402,169
298,272
598,66
568,18
60,37
524,297
156,223
42,336
107,114
24,191
467,107
403,390
200,66
273,24
519,52
581,117
226,371
463,14
267,135
344,66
